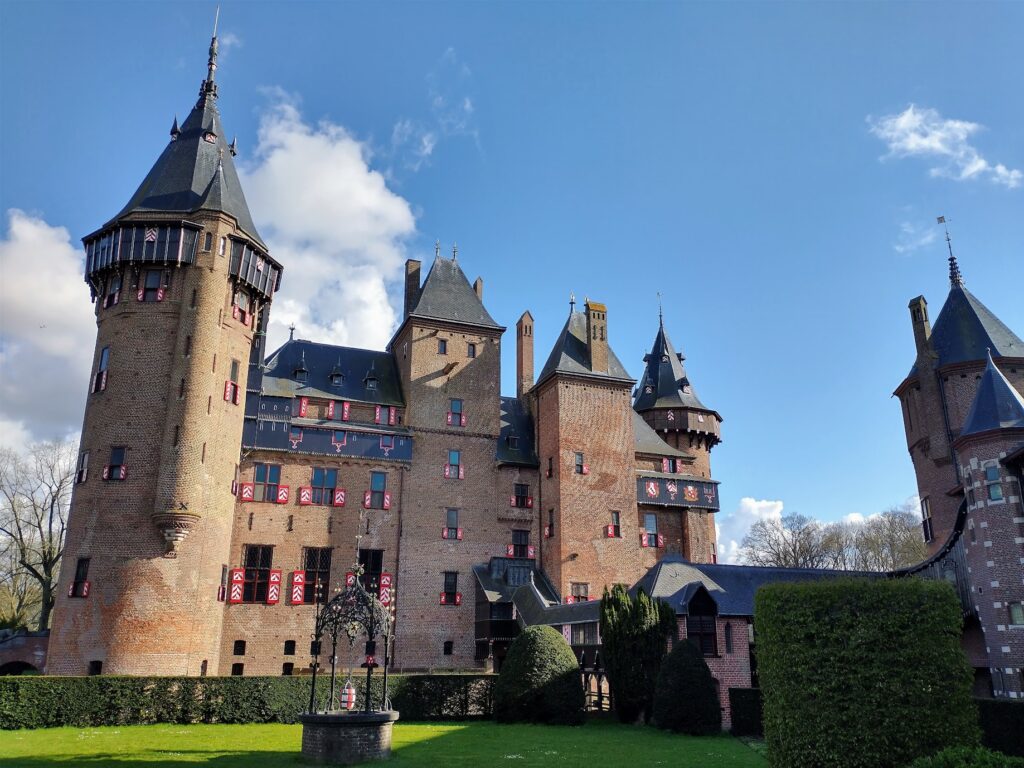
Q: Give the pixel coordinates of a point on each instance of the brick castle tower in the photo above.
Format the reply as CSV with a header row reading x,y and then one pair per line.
x,y
181,281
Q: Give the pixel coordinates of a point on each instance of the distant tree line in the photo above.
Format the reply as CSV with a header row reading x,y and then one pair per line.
x,y
883,542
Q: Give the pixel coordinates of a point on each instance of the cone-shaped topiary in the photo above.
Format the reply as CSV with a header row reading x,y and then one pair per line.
x,y
685,699
540,681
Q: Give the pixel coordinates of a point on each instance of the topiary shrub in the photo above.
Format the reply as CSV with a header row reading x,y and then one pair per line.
x,y
859,673
685,699
540,681
968,757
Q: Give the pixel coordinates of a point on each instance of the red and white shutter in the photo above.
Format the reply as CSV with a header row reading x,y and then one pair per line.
x,y
305,495
282,494
330,409
443,600
458,598
85,588
643,538
124,472
103,380
387,499
531,551
339,497
462,420
609,531
236,394
449,418
586,469
444,532
298,587
665,465
529,502
569,599
247,491
141,293
234,311
386,584
227,390
661,540
512,500
376,414
274,587
303,406
447,470
106,472
344,410
510,550
367,498
458,534
237,585
462,471
392,416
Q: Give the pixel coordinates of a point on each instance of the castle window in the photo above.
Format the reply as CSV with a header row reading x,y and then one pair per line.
x,y
451,587
442,346
151,289
551,466
520,543
471,350
232,392
289,647
456,418
287,668
580,592
258,560
222,247
324,482
1017,614
238,648
116,470
995,490
700,624
266,478
378,487
237,669
522,493
579,464
95,667
80,586
317,562
454,468
926,519
372,561
208,241
513,442
99,381
651,529
241,306
452,524
616,525
113,290
314,648
728,637
448,647
82,470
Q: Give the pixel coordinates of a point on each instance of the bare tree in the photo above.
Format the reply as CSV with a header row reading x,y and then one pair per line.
x,y
19,593
890,540
794,541
35,495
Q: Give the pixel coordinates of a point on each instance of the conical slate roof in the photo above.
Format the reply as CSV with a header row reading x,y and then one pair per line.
x,y
570,354
665,383
184,178
447,295
997,405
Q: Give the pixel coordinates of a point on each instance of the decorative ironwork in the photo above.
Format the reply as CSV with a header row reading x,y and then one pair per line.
x,y
351,613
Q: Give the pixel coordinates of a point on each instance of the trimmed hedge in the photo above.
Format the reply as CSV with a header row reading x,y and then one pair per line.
x,y
685,698
46,702
862,673
745,706
540,681
1002,725
968,757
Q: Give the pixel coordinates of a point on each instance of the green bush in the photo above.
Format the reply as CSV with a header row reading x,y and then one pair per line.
x,y
862,673
47,702
745,706
540,681
1002,725
967,757
685,699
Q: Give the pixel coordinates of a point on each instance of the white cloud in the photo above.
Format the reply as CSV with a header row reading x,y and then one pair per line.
x,y
914,236
227,41
47,331
923,132
731,527
333,223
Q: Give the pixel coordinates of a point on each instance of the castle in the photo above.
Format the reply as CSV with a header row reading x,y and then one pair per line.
x,y
220,490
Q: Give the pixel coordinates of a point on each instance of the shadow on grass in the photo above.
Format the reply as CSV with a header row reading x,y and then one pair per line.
x,y
164,759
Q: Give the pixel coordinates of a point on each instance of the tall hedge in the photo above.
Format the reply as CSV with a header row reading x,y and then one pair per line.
x,y
540,680
1002,725
46,702
685,699
860,673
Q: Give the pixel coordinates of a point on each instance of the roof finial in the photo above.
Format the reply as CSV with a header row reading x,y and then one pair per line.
x,y
956,280
455,251
437,249
572,302
291,332
661,318
233,148
209,86
175,130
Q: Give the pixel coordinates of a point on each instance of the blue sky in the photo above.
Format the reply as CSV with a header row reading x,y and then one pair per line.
x,y
759,164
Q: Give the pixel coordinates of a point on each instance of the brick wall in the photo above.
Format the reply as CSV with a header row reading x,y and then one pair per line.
x,y
731,669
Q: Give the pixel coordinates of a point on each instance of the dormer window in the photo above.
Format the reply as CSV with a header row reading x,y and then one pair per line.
x,y
513,442
301,374
371,382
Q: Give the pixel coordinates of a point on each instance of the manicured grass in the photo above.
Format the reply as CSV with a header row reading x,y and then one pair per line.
x,y
451,745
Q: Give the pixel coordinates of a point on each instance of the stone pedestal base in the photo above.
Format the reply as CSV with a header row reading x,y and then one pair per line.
x,y
347,738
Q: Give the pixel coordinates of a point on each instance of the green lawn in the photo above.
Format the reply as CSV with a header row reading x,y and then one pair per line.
x,y
415,744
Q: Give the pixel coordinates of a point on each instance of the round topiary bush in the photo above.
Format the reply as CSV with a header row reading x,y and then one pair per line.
x,y
540,681
685,697
968,757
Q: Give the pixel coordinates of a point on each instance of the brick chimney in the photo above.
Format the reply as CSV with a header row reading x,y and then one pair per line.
x,y
597,336
478,288
524,354
412,285
922,326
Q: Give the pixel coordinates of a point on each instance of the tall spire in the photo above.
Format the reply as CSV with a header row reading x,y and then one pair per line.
x,y
209,86
956,280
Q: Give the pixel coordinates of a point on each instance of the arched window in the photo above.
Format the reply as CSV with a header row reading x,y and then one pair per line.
x,y
701,618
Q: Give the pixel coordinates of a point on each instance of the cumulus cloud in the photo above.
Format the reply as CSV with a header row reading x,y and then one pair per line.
x,y
333,222
226,41
731,527
923,132
47,331
913,236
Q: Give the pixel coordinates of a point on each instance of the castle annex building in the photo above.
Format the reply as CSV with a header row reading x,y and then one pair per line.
x,y
221,489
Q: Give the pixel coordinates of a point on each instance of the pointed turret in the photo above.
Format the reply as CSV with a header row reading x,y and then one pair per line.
x,y
997,405
175,130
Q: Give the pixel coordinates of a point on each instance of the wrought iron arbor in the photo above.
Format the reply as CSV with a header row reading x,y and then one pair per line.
x,y
352,613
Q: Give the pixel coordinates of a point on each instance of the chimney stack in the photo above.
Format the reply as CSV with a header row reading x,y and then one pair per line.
x,y
922,326
597,336
478,287
412,285
524,354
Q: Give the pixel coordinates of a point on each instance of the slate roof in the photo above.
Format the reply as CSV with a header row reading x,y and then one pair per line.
x,y
997,405
447,295
320,361
966,328
646,440
570,355
516,422
733,587
185,177
496,588
666,377
533,608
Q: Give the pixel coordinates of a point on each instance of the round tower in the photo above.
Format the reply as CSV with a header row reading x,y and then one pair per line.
x,y
181,282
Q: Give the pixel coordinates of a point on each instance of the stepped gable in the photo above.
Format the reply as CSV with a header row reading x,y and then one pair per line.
x,y
570,354
332,372
997,405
